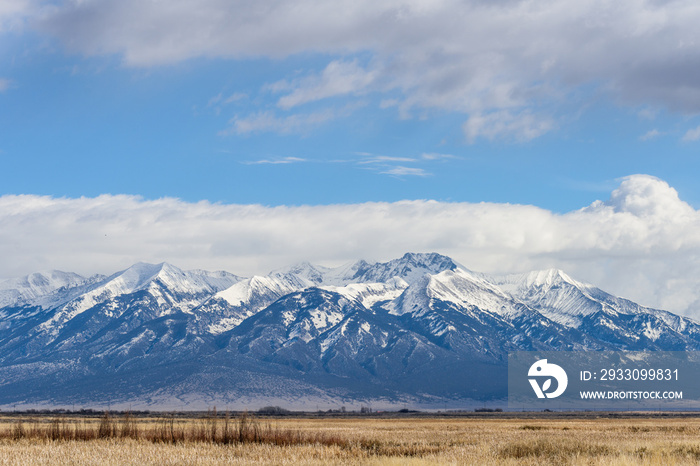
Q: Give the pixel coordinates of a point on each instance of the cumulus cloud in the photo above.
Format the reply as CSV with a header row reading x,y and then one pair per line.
x,y
649,197
642,243
498,63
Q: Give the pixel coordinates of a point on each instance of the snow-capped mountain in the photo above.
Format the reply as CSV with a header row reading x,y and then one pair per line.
x,y
584,307
36,285
421,329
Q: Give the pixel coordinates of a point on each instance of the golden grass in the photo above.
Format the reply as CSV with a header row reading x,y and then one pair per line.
x,y
488,441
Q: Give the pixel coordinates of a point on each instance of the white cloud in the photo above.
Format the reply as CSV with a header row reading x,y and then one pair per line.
x,y
215,100
647,197
220,99
437,156
296,123
643,243
505,125
692,134
5,84
371,158
405,171
338,78
490,60
262,122
387,165
652,134
647,113
14,13
235,97
282,161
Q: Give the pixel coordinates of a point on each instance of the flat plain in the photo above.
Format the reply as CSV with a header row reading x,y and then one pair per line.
x,y
489,440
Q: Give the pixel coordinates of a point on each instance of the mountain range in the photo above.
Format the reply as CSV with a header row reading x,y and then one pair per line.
x,y
420,330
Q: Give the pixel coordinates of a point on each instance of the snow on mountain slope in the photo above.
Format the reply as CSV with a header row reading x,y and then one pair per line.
x,y
542,281
163,280
261,290
25,290
302,316
368,294
394,274
303,270
324,333
173,289
554,294
457,286
194,281
229,307
141,276
413,325
344,274
471,291
358,333
410,267
585,307
362,281
308,314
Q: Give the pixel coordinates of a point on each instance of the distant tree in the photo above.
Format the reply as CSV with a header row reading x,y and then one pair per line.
x,y
273,410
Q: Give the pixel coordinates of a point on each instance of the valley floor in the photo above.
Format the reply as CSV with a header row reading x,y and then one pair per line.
x,y
652,440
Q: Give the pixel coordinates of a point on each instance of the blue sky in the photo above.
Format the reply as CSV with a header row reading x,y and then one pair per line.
x,y
120,115
86,111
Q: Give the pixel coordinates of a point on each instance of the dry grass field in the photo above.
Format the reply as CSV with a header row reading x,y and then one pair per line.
x,y
359,440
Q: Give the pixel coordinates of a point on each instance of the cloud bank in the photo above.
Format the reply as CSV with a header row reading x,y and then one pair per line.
x,y
508,66
642,243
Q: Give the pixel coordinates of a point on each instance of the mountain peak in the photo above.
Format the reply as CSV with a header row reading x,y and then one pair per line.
x,y
540,279
36,285
303,269
406,327
427,259
546,277
140,274
410,267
